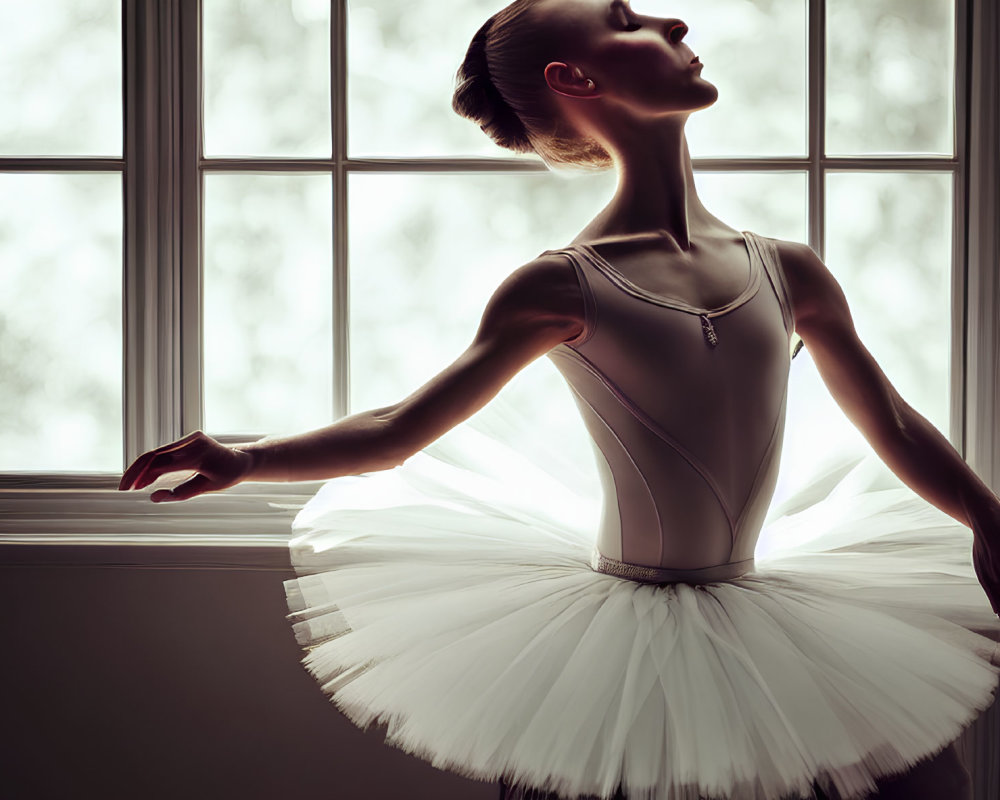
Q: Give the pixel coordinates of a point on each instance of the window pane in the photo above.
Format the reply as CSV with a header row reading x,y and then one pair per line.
x,y
61,322
267,77
427,251
736,198
268,290
890,77
60,78
755,53
402,60
403,56
889,242
889,245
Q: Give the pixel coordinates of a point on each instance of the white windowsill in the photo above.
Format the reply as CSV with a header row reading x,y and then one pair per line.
x,y
94,524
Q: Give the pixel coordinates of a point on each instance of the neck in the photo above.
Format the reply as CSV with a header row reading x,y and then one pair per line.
x,y
656,190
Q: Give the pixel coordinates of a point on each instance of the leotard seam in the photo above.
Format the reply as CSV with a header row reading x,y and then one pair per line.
x,y
628,455
651,426
757,474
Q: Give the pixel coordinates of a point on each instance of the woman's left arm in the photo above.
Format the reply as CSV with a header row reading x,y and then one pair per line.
x,y
911,447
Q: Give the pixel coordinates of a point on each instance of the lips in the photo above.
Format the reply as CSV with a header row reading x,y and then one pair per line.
x,y
695,60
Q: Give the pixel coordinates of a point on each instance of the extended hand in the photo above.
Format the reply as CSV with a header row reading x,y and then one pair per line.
x,y
986,554
218,467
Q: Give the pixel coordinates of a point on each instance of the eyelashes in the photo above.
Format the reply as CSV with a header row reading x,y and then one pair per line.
x,y
677,31
623,18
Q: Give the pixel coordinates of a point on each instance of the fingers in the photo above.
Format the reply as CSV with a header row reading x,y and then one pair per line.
x,y
149,466
199,484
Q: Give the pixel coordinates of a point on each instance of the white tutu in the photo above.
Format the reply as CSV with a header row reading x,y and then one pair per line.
x,y
453,599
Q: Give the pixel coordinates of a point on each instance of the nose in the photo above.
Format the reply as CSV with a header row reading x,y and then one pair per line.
x,y
676,30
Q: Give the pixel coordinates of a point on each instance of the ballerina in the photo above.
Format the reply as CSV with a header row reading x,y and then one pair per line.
x,y
661,660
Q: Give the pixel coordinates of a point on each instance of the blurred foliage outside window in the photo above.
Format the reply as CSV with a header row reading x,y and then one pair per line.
x,y
426,250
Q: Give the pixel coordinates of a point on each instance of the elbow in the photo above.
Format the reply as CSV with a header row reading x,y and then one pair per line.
x,y
901,426
903,420
396,440
887,423
396,458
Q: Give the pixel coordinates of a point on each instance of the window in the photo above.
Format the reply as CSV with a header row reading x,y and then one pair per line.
x,y
61,236
287,197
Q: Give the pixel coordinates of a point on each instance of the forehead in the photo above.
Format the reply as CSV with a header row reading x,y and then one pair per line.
x,y
564,15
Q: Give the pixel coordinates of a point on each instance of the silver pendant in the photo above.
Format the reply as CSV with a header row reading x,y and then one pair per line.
x,y
709,330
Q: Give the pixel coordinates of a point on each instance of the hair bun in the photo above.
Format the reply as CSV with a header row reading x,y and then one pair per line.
x,y
477,98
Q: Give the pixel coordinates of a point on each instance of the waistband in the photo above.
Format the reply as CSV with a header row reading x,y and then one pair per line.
x,y
646,574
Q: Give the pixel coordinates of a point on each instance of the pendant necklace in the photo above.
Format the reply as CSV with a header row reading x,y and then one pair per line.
x,y
708,329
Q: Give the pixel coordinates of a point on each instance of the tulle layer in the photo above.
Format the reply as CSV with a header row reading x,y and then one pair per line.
x,y
454,601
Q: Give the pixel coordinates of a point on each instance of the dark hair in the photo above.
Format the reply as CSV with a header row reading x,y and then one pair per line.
x,y
501,87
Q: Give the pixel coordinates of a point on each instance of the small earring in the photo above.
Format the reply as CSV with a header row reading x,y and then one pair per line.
x,y
590,83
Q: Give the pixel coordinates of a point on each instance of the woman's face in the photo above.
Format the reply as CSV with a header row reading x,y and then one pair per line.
x,y
639,61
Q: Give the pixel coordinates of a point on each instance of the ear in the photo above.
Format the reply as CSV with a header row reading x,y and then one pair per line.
x,y
569,81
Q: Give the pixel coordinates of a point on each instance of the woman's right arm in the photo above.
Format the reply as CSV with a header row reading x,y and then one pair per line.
x,y
537,307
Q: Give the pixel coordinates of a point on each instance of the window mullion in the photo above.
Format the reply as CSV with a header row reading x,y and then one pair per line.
x,y
816,22
959,261
341,297
189,184
151,280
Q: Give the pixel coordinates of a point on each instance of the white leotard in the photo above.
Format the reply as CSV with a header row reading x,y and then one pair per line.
x,y
686,410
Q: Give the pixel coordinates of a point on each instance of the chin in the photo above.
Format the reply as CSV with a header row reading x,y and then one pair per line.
x,y
709,96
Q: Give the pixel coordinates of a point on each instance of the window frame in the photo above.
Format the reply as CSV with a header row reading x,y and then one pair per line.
x,y
163,167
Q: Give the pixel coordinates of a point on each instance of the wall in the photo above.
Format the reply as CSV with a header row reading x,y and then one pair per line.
x,y
145,683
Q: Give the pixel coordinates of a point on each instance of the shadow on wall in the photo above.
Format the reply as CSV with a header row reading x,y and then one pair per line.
x,y
132,682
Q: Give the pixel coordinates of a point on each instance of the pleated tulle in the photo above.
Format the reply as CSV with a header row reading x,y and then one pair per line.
x,y
453,600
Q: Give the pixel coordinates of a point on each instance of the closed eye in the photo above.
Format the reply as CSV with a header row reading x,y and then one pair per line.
x,y
621,11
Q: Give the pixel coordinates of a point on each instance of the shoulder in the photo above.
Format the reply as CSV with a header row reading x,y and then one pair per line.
x,y
545,286
799,261
814,293
542,293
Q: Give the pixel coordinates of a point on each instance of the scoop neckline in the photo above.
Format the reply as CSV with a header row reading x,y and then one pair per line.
x,y
617,277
